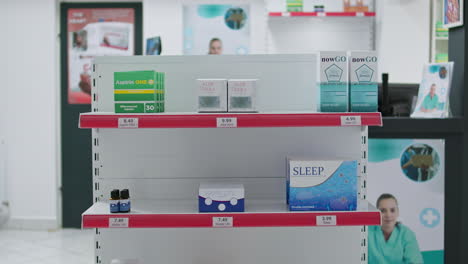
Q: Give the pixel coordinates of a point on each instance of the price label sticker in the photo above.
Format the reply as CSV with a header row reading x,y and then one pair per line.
x,y
359,14
351,120
222,222
125,122
286,14
118,222
321,14
326,220
226,122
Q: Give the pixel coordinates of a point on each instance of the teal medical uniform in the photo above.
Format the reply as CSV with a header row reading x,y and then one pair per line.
x,y
430,103
401,248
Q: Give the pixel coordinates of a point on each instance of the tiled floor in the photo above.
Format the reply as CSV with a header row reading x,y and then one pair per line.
x,y
66,246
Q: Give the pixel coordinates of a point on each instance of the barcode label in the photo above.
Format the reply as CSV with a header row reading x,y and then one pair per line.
x,y
321,14
351,120
359,14
226,122
125,122
285,14
326,220
118,222
222,222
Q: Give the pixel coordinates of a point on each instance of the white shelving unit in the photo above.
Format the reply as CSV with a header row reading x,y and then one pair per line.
x,y
163,158
309,31
439,44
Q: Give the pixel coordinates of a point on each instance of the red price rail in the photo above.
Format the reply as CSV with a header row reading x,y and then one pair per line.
x,y
198,120
147,214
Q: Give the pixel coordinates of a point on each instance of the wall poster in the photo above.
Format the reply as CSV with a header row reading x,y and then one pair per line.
x,y
434,91
95,32
453,13
412,171
216,29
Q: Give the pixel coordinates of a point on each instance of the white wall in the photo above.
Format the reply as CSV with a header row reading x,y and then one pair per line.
x,y
165,18
403,38
312,34
29,96
3,100
402,29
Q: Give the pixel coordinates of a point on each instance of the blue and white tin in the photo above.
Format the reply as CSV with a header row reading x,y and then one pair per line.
x,y
221,197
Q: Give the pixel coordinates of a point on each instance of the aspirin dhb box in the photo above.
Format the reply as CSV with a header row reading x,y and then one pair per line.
x,y
139,92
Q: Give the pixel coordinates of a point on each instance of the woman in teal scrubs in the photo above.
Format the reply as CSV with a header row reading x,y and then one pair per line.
x,y
392,243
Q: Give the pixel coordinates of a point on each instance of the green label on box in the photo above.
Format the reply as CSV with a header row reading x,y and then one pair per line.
x,y
129,108
134,97
135,80
294,5
136,108
150,108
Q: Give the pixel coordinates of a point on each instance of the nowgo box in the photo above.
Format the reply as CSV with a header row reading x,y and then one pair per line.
x,y
333,83
221,197
139,92
242,95
321,185
212,95
363,81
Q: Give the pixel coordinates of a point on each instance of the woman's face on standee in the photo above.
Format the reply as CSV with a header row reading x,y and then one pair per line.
x,y
390,213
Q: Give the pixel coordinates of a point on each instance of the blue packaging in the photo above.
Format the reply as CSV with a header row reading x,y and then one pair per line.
x,y
220,197
114,201
114,206
327,185
124,206
124,201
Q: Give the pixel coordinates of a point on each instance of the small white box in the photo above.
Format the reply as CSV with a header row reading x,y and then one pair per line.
x,y
212,95
221,197
242,95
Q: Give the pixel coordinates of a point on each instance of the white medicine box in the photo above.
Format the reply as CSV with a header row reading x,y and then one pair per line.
x,y
242,95
212,95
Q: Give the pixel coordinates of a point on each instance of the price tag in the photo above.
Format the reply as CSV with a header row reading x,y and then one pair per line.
x,y
226,122
359,14
222,222
118,222
125,122
351,120
321,14
286,14
326,220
